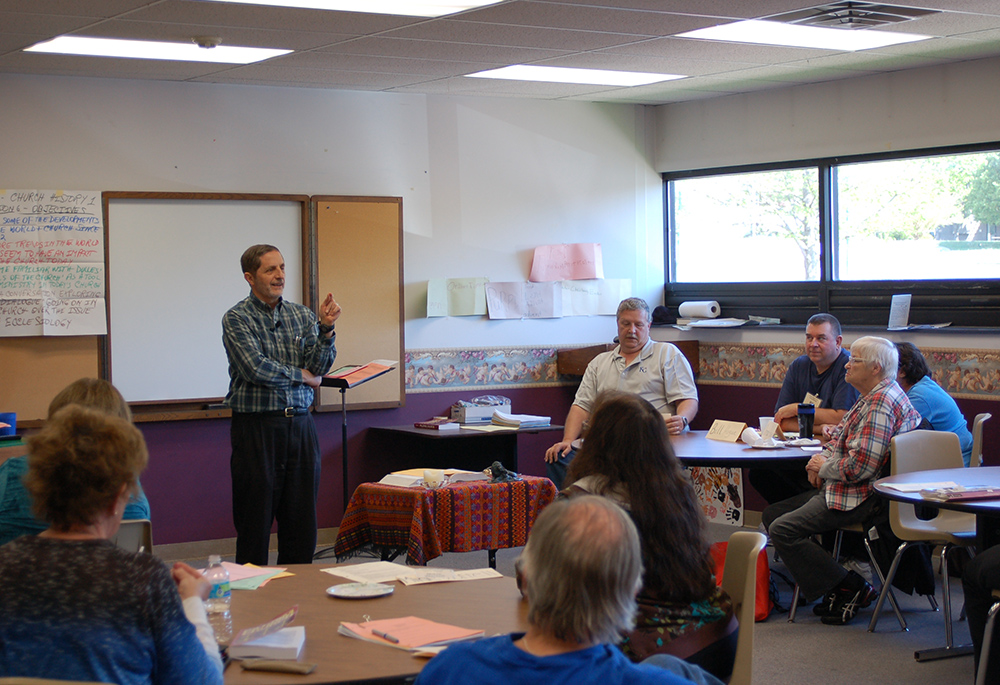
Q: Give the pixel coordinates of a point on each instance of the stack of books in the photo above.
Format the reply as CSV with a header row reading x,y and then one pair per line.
x,y
520,420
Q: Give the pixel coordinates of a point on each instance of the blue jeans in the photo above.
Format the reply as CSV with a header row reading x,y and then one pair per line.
x,y
556,470
792,525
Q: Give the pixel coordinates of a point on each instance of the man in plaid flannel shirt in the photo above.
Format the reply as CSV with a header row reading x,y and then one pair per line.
x,y
278,352
856,455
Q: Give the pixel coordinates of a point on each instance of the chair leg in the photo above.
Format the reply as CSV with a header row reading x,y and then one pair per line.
x,y
887,586
984,654
933,601
949,640
883,586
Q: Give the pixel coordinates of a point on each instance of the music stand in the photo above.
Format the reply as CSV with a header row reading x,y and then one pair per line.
x,y
349,377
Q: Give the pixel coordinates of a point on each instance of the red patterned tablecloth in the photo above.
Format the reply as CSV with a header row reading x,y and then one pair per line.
x,y
424,523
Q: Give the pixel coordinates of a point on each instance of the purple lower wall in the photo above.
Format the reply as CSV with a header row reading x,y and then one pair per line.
x,y
189,487
188,482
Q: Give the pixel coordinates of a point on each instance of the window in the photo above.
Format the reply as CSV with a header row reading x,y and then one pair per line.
x,y
923,218
726,228
842,235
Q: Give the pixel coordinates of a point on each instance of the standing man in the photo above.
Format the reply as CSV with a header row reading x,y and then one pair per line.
x,y
657,372
277,355
816,376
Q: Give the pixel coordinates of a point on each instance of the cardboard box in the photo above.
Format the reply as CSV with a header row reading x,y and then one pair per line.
x,y
477,414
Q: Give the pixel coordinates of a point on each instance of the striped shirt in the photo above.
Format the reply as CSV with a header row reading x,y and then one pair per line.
x,y
858,451
267,350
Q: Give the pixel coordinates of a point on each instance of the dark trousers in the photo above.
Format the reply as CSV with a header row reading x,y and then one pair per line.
x,y
980,577
792,525
275,468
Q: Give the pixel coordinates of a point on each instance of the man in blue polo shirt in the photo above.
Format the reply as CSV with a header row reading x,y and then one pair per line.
x,y
815,377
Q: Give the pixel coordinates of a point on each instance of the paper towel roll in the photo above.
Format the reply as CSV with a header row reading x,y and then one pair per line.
x,y
698,310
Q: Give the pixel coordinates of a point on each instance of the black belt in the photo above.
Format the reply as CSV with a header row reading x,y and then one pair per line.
x,y
287,412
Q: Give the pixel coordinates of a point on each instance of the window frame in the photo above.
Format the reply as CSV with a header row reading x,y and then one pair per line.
x,y
966,303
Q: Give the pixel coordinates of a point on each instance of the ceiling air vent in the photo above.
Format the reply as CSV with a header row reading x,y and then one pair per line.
x,y
852,15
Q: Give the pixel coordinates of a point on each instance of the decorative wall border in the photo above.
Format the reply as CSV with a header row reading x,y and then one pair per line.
x,y
968,374
964,373
481,368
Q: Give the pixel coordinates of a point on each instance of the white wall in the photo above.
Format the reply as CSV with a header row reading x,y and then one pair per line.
x,y
483,181
916,108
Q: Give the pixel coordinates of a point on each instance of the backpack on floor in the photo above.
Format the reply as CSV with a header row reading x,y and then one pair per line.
x,y
764,602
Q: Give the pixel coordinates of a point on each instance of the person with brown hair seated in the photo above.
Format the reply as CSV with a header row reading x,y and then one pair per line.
x,y
627,458
73,605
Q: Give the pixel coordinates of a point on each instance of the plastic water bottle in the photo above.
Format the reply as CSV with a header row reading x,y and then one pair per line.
x,y
219,599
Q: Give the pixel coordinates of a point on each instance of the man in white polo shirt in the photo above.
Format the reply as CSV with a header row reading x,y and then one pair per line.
x,y
658,372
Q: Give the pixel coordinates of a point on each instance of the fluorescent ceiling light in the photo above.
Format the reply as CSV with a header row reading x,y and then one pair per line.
x,y
406,8
595,77
795,35
145,49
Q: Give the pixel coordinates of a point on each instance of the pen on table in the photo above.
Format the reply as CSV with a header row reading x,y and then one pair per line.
x,y
385,636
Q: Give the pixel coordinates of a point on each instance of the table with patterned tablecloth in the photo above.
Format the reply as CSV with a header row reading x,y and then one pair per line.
x,y
425,523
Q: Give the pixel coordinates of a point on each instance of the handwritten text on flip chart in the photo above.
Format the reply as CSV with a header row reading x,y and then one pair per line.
x,y
51,263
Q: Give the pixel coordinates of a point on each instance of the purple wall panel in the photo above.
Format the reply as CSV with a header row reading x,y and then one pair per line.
x,y
188,481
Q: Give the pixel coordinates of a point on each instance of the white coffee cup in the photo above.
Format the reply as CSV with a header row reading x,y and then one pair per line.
x,y
433,478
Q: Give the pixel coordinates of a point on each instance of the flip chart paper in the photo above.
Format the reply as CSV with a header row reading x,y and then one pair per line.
x,y
456,297
51,263
576,261
519,300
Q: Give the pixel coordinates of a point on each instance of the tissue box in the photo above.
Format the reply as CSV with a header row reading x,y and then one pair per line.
x,y
477,414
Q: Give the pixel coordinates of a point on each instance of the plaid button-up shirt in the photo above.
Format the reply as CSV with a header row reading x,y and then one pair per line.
x,y
858,451
267,350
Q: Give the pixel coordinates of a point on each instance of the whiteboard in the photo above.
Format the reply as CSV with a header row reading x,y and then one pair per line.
x,y
173,271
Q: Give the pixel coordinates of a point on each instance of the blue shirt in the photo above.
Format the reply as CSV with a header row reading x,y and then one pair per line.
x,y
87,610
498,661
830,386
16,515
940,410
267,350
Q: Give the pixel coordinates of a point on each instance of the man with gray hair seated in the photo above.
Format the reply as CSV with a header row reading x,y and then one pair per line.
x,y
857,455
582,568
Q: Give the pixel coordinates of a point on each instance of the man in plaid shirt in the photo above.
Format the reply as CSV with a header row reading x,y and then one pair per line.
x,y
857,454
278,352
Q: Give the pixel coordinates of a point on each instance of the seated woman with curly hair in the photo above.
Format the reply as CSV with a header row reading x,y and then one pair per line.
x,y
73,605
627,457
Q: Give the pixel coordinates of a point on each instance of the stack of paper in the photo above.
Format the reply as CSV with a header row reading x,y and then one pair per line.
x,y
520,420
408,633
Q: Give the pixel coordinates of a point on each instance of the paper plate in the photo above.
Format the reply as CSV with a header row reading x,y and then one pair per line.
x,y
359,590
768,447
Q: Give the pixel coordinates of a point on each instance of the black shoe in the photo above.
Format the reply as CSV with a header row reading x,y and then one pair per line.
x,y
823,608
853,593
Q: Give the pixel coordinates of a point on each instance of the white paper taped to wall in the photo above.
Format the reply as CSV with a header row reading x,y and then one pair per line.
x,y
699,310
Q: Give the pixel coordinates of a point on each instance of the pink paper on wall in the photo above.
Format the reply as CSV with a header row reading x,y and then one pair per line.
x,y
572,262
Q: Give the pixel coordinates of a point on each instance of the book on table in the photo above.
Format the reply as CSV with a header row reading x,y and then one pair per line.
x,y
410,632
442,423
287,643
